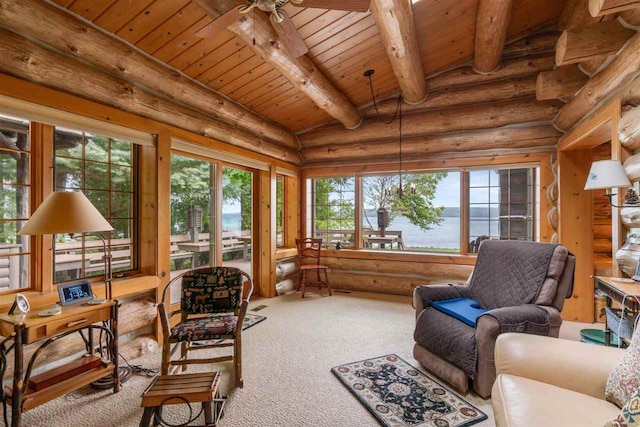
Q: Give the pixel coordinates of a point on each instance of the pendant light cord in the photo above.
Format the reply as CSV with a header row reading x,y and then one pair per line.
x,y
375,103
398,113
400,140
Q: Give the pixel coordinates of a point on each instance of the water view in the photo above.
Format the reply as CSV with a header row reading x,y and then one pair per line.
x,y
446,235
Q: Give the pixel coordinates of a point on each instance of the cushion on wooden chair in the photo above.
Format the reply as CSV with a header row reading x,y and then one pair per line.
x,y
205,328
211,290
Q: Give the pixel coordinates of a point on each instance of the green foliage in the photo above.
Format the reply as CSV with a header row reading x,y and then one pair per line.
x,y
14,169
334,203
237,188
190,185
416,203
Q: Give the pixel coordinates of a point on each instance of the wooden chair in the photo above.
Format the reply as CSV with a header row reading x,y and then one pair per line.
x,y
309,260
213,305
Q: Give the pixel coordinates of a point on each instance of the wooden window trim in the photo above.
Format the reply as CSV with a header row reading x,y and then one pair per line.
x,y
537,160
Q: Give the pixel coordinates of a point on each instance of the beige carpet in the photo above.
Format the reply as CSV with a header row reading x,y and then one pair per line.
x,y
287,362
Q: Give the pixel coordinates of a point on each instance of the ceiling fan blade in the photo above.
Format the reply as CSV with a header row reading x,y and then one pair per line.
x,y
289,35
220,24
348,5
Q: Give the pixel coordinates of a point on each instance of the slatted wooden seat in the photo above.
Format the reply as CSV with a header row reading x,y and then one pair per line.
x,y
181,389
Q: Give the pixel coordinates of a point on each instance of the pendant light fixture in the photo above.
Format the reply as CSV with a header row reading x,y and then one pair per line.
x,y
397,114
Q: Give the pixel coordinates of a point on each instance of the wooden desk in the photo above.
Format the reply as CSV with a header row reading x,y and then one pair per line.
x,y
616,291
30,328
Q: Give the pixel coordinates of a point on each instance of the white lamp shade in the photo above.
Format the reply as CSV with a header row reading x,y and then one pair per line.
x,y
607,174
65,212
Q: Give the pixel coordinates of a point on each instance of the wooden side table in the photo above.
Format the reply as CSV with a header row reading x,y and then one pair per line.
x,y
616,291
200,388
30,328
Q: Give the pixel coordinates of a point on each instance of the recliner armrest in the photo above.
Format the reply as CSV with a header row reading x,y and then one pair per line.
x,y
424,295
572,365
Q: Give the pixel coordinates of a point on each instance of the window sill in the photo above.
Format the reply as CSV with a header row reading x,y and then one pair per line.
x,y
431,257
282,253
121,287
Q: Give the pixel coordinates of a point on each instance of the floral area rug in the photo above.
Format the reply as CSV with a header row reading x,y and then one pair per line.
x,y
399,395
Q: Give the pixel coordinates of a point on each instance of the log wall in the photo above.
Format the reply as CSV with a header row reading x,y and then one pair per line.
x,y
400,275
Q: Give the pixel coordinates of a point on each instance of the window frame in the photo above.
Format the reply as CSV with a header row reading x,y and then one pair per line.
x,y
135,207
31,264
281,206
463,168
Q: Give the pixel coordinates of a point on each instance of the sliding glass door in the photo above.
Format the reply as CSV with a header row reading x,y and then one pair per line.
x,y
193,213
237,218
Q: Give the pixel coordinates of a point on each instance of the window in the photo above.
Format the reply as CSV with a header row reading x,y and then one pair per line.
x,y
15,186
429,217
280,211
192,227
426,218
333,214
501,205
105,170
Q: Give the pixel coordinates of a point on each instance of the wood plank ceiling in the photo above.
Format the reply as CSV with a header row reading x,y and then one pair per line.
x,y
342,45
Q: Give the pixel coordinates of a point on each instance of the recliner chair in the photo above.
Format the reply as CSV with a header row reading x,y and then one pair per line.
x,y
506,273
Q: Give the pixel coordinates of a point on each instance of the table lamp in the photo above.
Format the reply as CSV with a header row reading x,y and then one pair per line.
x,y
607,175
70,213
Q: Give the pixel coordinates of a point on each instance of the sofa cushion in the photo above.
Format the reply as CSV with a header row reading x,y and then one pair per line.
x,y
521,402
624,379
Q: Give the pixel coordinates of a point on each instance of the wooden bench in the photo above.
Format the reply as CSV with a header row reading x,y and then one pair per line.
x,y
183,389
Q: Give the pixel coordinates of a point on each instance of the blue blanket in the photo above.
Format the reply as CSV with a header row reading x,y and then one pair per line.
x,y
463,309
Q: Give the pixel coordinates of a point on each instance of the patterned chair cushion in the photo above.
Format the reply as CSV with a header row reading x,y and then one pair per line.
x,y
211,290
205,328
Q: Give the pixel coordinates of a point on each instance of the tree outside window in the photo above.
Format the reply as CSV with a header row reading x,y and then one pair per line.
x,y
15,186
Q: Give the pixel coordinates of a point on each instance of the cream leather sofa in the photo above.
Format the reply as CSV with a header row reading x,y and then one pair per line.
x,y
551,382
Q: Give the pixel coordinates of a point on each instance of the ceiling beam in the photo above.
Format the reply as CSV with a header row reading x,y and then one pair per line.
x,y
481,116
607,83
492,24
395,23
256,31
500,90
561,83
606,7
70,35
512,137
593,41
25,59
576,15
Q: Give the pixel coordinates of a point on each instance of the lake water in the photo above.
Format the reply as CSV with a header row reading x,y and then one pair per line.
x,y
446,235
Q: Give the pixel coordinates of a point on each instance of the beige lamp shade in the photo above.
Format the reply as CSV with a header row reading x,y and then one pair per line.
x,y
607,174
65,212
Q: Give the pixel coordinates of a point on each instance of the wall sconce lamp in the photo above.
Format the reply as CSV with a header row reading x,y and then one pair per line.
x,y
607,175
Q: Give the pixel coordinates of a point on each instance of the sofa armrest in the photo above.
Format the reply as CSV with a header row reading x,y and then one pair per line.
x,y
572,365
425,295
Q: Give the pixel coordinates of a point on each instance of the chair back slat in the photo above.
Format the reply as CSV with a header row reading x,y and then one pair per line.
x,y
211,290
309,251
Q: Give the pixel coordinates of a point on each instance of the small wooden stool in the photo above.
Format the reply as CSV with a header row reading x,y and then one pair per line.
x,y
181,389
